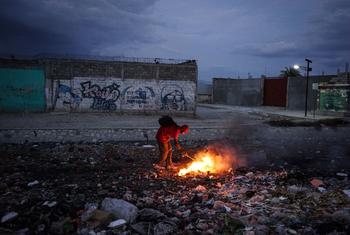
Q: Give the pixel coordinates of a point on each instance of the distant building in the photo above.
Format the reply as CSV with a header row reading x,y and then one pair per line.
x,y
204,93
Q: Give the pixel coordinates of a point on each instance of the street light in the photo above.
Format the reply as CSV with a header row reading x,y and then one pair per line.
x,y
307,69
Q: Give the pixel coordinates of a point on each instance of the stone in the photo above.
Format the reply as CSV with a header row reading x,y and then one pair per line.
x,y
127,196
99,218
257,198
165,228
233,226
262,230
186,213
342,216
63,226
249,193
142,228
120,209
221,206
9,216
145,201
89,208
295,189
202,225
149,214
275,200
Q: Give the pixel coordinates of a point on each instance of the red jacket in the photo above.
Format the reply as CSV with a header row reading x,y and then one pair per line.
x,y
164,134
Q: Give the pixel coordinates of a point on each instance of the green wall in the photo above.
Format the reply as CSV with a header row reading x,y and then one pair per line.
x,y
22,90
334,100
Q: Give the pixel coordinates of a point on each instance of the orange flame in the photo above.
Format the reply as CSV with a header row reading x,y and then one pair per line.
x,y
210,161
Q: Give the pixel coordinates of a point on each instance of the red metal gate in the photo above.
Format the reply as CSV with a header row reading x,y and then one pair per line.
x,y
275,91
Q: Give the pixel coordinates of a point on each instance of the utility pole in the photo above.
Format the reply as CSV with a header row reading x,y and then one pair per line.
x,y
347,72
308,69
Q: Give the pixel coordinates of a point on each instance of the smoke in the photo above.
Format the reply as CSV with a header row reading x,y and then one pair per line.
x,y
226,156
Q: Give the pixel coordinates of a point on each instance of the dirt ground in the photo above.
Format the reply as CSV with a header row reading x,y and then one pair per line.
x,y
294,180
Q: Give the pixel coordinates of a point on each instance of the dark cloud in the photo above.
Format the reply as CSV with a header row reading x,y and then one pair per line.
x,y
228,38
63,26
325,35
330,33
269,49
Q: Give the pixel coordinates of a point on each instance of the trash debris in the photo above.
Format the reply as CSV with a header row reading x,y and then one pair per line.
x,y
120,208
64,226
200,188
89,209
50,204
165,227
316,182
322,189
9,216
99,218
148,146
35,182
347,192
342,174
122,194
117,223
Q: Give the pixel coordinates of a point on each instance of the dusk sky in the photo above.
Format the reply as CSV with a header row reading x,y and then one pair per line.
x,y
227,38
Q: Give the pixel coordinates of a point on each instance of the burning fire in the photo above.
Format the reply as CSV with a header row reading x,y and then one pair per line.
x,y
210,161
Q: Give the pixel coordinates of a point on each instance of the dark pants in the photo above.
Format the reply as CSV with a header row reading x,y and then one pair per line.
x,y
165,154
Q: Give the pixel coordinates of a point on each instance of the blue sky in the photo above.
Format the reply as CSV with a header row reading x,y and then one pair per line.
x,y
228,38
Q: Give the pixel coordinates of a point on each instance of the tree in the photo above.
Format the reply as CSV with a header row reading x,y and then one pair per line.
x,y
290,72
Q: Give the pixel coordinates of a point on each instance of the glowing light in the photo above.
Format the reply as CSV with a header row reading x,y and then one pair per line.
x,y
210,161
296,66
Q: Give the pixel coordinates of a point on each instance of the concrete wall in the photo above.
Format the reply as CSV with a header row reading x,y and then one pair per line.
x,y
22,90
245,92
296,92
85,94
78,85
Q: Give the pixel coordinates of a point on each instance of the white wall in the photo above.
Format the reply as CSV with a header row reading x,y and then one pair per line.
x,y
83,94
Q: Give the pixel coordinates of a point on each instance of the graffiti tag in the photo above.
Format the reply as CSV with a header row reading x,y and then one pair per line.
x,y
139,96
67,97
173,98
103,98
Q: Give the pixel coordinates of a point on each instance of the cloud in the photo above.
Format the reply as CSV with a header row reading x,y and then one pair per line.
x,y
268,49
330,33
64,26
322,36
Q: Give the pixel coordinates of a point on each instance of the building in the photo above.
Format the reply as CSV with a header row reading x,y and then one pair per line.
x,y
98,84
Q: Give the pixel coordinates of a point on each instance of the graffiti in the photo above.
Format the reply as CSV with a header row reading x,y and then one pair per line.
x,y
172,97
103,99
333,100
67,97
138,97
114,94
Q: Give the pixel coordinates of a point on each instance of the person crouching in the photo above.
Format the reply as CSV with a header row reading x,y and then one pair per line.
x,y
169,130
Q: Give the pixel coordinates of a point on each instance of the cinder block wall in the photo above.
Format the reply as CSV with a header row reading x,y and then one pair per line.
x,y
115,86
296,90
241,92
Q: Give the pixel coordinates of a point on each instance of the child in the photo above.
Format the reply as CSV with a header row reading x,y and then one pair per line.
x,y
168,130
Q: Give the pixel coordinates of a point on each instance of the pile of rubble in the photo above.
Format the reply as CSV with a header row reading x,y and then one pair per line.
x,y
112,189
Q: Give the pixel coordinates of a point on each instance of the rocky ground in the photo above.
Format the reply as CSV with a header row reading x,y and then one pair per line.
x,y
82,188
